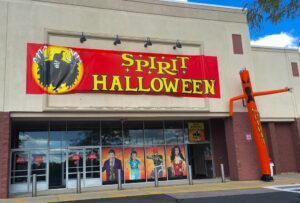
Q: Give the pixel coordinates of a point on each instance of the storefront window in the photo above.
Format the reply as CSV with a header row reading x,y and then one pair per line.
x,y
174,132
133,133
39,164
155,159
112,161
111,133
154,134
83,133
176,161
30,134
137,148
19,167
134,164
58,131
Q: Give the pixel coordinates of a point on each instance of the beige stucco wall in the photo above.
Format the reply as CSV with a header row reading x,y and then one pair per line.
x,y
3,25
202,30
273,71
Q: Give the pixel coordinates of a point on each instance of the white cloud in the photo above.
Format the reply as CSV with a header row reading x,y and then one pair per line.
x,y
283,40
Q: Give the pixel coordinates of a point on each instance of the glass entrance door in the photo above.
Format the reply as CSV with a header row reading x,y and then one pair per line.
x,y
24,164
75,164
19,172
57,169
86,161
92,167
39,166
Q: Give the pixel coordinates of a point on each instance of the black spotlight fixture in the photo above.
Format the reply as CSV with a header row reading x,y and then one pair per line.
x,y
148,43
177,45
117,40
82,38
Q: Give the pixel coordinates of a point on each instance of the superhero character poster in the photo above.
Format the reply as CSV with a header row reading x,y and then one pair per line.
x,y
134,164
155,158
176,161
112,161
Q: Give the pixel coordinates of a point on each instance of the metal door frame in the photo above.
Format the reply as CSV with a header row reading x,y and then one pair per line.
x,y
29,152
58,150
83,148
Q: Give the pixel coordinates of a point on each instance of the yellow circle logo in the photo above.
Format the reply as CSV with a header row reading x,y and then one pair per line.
x,y
57,69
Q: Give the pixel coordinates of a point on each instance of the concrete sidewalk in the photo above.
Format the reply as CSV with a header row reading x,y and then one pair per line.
x,y
142,189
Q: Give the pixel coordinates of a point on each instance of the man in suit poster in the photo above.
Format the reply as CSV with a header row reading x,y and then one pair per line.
x,y
111,166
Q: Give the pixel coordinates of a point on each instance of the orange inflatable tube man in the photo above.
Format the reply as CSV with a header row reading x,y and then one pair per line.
x,y
254,118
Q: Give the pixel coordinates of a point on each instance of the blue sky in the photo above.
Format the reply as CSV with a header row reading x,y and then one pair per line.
x,y
284,34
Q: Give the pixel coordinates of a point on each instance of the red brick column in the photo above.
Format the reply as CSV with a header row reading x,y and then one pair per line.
x,y
296,141
242,154
4,153
273,147
219,146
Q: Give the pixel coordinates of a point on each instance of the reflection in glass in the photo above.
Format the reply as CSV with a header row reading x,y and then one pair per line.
x,y
111,133
39,165
200,158
30,134
82,133
133,133
57,169
75,161
57,134
174,132
19,167
92,163
154,134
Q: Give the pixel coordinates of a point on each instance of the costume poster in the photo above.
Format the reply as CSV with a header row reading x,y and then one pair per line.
x,y
176,161
59,70
134,162
155,158
196,132
112,160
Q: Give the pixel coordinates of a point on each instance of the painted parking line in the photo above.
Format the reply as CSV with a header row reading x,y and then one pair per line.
x,y
295,188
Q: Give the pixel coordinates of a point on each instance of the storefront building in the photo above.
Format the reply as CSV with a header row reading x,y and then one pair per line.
x,y
159,97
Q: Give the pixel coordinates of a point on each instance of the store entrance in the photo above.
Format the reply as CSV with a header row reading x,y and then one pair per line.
x,y
200,158
86,161
57,169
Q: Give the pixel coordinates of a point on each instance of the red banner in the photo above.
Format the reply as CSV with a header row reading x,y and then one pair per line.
x,y
21,160
75,157
92,156
38,159
58,70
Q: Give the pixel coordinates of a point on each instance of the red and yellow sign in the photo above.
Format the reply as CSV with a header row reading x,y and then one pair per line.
x,y
196,132
58,70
